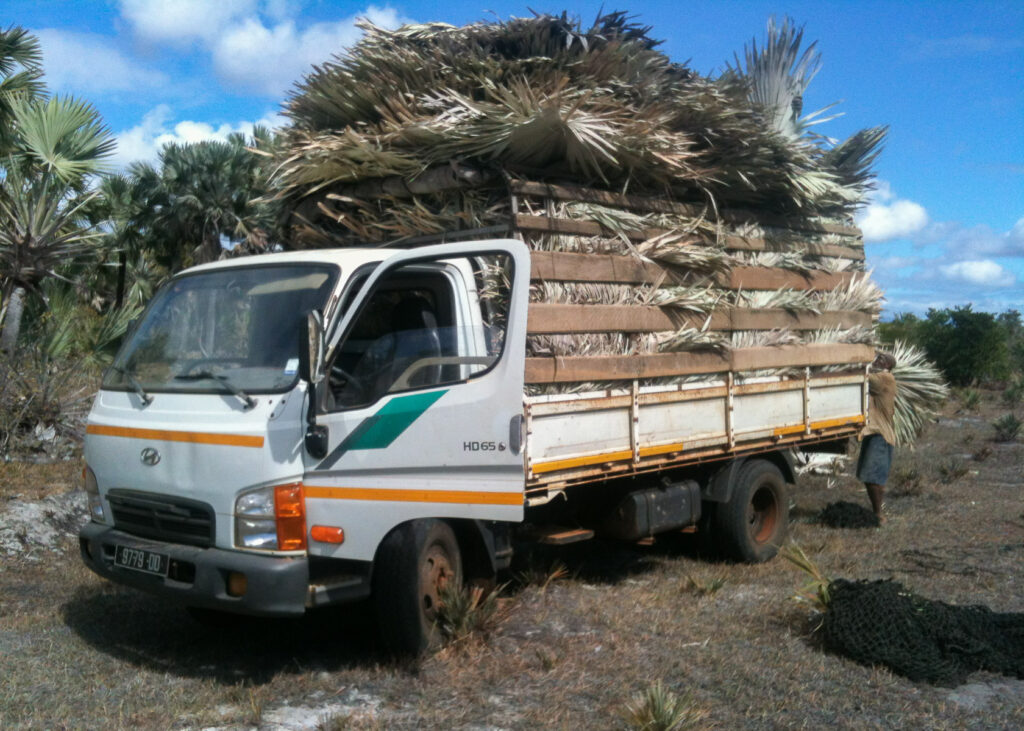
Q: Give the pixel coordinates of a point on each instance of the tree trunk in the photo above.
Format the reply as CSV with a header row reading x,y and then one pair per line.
x,y
14,307
122,266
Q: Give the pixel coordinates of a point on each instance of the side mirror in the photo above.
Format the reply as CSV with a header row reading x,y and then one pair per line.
x,y
316,441
311,348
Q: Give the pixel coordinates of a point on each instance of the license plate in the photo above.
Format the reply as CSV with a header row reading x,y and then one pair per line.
x,y
138,559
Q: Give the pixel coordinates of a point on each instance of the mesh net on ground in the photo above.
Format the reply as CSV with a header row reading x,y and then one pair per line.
x,y
845,514
882,623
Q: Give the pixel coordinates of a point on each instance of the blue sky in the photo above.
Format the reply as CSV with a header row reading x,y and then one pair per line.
x,y
945,228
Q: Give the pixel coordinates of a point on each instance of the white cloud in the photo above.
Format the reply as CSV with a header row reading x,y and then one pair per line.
x,y
182,21
887,217
87,64
270,59
981,272
888,263
255,46
961,242
144,141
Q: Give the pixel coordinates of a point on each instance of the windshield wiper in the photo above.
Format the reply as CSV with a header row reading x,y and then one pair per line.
x,y
147,399
250,402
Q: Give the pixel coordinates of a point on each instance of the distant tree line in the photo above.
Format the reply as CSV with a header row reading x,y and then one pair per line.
x,y
970,347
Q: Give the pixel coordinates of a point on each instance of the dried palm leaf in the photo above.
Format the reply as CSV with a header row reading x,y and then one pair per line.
x,y
784,299
688,338
590,344
920,391
763,338
860,294
589,293
678,250
693,299
855,335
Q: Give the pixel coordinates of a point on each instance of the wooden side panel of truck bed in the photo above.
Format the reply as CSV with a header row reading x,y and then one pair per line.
x,y
580,438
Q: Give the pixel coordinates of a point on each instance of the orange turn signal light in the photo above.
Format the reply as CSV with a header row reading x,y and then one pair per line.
x,y
290,515
238,584
328,534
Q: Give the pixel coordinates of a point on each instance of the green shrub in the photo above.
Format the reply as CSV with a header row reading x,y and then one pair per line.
x,y
969,398
906,480
952,469
1014,393
1007,428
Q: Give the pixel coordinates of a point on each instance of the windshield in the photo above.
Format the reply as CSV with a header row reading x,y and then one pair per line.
x,y
223,331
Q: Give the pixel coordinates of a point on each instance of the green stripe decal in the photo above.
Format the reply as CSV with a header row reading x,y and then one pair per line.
x,y
384,427
393,418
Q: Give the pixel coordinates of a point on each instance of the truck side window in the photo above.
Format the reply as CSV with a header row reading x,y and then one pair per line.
x,y
424,325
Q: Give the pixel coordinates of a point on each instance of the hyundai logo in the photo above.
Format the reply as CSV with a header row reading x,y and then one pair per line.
x,y
150,456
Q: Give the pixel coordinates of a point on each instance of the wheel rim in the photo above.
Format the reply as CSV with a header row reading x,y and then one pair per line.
x,y
762,514
435,573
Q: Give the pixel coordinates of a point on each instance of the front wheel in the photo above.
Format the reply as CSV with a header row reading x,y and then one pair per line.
x,y
753,523
414,563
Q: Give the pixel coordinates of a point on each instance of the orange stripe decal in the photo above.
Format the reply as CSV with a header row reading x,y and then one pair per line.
x,y
467,497
662,449
784,430
815,425
829,423
564,464
165,435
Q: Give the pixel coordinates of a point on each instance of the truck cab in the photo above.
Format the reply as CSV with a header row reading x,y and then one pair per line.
x,y
272,420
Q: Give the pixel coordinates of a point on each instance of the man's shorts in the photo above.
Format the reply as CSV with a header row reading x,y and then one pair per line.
x,y
875,460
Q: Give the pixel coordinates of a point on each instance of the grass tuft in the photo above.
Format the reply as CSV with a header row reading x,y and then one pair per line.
x,y
468,611
906,481
542,577
816,591
969,398
1007,428
704,587
660,709
952,469
1014,393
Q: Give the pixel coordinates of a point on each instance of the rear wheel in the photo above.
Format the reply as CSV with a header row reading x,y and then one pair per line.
x,y
753,523
414,563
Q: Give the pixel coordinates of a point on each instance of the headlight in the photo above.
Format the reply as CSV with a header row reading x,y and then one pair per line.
x,y
92,490
254,519
271,518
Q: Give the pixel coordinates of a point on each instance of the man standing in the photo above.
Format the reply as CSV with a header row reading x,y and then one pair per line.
x,y
878,437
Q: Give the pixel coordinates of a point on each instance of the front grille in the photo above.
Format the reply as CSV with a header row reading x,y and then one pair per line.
x,y
164,517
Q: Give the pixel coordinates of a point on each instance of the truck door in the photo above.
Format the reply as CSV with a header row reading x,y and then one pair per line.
x,y
423,396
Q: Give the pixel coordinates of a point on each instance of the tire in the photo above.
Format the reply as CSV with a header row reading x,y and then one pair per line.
x,y
412,565
752,524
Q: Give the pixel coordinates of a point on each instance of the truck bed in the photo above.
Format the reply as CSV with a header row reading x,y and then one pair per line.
x,y
587,437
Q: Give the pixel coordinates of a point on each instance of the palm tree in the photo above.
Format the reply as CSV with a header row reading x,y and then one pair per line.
x,y
50,148
21,74
205,197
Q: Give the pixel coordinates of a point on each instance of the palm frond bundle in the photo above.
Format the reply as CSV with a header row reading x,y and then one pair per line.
x,y
546,97
588,140
920,391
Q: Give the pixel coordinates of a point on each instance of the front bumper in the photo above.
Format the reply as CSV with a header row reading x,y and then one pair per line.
x,y
277,586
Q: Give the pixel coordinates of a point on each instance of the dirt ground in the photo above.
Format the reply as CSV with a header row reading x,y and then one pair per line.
x,y
78,652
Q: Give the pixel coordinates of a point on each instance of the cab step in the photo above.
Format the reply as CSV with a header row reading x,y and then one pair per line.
x,y
560,536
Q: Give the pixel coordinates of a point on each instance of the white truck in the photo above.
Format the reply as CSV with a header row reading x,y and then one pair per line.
x,y
288,431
